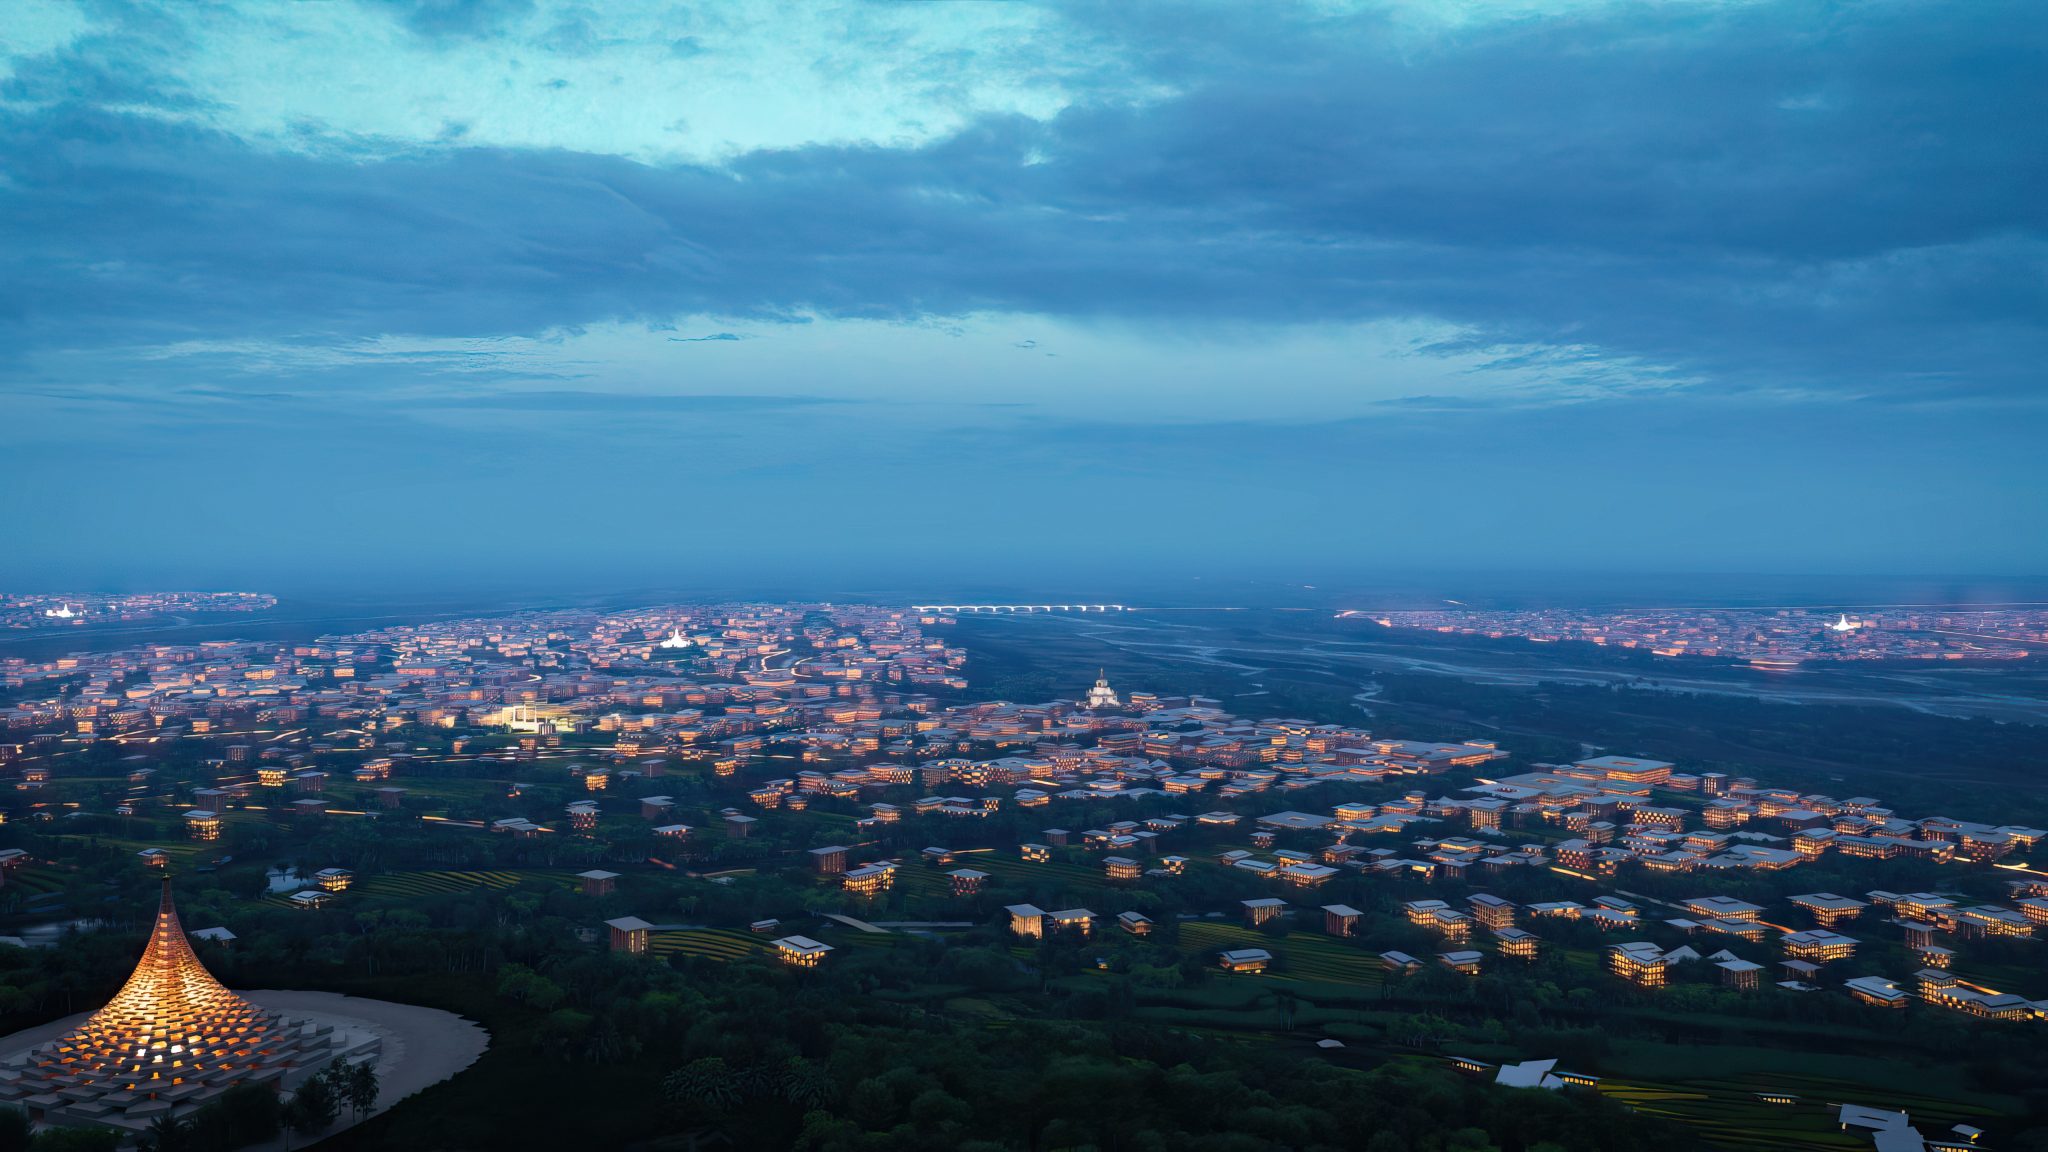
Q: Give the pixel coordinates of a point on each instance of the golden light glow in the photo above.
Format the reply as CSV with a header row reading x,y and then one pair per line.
x,y
171,1005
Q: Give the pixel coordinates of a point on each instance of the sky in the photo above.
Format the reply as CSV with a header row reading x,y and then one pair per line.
x,y
385,291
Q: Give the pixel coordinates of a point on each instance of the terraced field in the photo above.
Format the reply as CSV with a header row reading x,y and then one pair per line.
x,y
922,880
409,885
35,881
1727,1112
179,851
1011,870
1308,957
722,944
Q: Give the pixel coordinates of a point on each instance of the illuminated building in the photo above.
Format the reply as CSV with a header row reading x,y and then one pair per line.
x,y
870,880
1722,908
201,824
170,1033
1492,911
1877,990
967,881
1819,945
1422,913
1245,960
1739,974
334,879
1122,868
801,951
1640,963
1307,875
629,934
1722,815
1827,908
1077,920
1517,942
1102,695
829,860
1628,770
1027,920
1466,963
1455,925
1263,910
1985,920
1920,906
271,777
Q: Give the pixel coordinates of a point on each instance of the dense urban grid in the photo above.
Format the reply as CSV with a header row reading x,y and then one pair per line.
x,y
814,787
1764,637
24,611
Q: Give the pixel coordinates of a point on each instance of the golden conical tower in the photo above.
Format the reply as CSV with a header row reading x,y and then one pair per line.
x,y
171,1024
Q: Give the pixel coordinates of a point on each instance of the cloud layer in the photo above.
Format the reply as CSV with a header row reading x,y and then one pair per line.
x,y
1737,214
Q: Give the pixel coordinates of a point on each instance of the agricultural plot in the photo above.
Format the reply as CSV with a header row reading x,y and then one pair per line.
x,y
710,943
1012,871
179,851
1728,1113
922,881
410,885
1318,958
35,881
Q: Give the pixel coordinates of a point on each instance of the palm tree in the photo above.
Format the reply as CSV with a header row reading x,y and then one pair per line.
x,y
168,1133
17,1131
359,1088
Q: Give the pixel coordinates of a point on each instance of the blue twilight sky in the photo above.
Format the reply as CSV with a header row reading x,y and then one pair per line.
x,y
389,290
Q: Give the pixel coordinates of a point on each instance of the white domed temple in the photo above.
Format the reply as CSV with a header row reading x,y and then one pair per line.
x,y
1102,695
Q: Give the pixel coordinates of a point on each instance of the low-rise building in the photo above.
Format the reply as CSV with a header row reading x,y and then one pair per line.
x,y
801,951
1245,960
629,934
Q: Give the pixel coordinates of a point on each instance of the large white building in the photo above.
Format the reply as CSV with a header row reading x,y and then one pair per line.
x,y
1102,695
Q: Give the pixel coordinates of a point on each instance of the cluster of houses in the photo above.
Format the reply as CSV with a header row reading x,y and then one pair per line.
x,y
717,685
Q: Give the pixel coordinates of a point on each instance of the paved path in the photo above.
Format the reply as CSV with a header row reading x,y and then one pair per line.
x,y
860,925
422,1046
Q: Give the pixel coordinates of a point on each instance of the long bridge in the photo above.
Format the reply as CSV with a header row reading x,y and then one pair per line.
x,y
958,609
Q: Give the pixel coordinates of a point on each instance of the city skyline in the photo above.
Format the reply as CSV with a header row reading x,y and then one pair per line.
x,y
640,294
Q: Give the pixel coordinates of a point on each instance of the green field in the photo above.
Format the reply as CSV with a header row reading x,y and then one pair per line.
x,y
1010,870
710,943
180,851
1727,1111
404,885
35,881
1314,958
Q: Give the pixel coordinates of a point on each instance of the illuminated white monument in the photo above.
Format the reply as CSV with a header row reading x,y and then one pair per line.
x,y
1102,695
